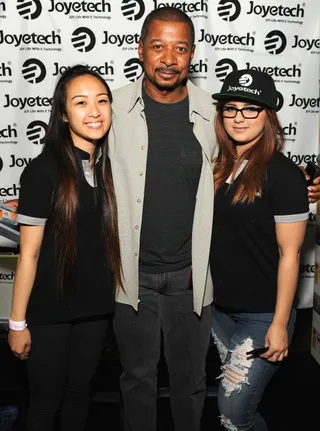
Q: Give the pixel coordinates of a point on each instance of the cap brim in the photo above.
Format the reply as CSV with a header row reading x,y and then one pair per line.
x,y
221,97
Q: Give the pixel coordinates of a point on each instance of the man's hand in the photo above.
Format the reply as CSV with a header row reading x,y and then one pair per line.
x,y
314,190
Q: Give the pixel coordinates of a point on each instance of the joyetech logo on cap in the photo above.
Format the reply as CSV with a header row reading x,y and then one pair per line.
x,y
83,39
33,71
275,42
133,69
224,67
133,9
229,10
29,9
245,80
36,132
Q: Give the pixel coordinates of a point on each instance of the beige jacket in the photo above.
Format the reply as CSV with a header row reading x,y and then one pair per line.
x,y
128,149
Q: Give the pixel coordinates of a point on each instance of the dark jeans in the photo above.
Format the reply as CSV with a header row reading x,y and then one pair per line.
x,y
243,380
166,305
61,364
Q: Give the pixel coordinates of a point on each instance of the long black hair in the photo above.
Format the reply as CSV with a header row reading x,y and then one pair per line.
x,y
65,203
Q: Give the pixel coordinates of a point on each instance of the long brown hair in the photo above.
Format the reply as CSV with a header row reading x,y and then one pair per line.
x,y
65,203
258,156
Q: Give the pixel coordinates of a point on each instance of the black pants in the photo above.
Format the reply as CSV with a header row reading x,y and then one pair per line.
x,y
62,362
166,305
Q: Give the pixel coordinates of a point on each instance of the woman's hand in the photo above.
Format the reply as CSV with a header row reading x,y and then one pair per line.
x,y
314,189
277,340
20,343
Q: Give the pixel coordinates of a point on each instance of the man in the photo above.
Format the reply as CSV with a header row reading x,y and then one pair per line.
x,y
161,147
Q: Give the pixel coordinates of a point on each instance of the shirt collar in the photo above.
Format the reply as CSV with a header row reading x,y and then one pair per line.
x,y
86,156
197,103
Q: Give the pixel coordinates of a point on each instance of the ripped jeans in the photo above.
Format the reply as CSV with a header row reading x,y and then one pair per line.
x,y
243,380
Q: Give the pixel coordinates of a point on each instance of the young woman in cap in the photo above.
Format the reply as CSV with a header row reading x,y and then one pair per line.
x,y
69,258
261,212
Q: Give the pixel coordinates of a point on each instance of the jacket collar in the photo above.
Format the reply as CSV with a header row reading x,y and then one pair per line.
x,y
196,103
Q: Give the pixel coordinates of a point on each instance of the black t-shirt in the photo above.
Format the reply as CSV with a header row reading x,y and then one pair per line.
x,y
173,172
92,290
244,252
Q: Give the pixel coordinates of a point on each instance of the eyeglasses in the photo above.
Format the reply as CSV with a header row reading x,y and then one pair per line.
x,y
247,112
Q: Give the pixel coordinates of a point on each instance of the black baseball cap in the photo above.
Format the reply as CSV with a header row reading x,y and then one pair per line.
x,y
250,86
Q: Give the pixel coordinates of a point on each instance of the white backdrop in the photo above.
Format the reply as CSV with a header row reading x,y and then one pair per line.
x,y
38,39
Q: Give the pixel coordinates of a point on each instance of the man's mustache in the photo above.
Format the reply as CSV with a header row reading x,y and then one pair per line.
x,y
167,70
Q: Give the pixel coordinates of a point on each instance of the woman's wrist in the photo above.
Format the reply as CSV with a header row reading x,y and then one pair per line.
x,y
280,322
17,325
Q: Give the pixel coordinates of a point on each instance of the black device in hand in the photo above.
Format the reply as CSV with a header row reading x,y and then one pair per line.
x,y
313,170
257,352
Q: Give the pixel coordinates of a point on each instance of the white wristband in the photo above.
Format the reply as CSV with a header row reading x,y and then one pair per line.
x,y
17,326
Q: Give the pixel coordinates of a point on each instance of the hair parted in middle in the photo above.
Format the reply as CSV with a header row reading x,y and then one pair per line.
x,y
65,200
258,156
167,14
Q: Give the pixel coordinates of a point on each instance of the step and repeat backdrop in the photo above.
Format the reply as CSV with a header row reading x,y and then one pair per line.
x,y
40,39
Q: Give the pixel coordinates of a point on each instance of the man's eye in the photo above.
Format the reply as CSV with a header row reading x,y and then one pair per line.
x,y
182,49
157,47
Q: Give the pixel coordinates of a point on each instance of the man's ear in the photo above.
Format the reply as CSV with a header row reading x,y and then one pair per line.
x,y
140,50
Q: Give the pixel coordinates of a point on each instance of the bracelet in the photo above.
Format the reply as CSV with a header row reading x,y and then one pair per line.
x,y
17,326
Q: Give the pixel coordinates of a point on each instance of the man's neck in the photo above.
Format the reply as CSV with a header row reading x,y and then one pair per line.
x,y
165,96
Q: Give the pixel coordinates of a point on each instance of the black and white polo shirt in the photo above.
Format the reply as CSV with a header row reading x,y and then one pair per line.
x,y
92,290
244,251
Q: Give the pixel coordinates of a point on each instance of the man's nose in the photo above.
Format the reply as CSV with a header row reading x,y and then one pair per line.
x,y
169,57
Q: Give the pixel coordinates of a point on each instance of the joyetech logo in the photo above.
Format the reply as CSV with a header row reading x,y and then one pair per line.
x,y
33,71
84,6
229,10
275,42
7,277
224,67
133,69
185,6
83,39
36,132
5,70
9,132
280,101
133,9
245,80
9,191
29,9
1,164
